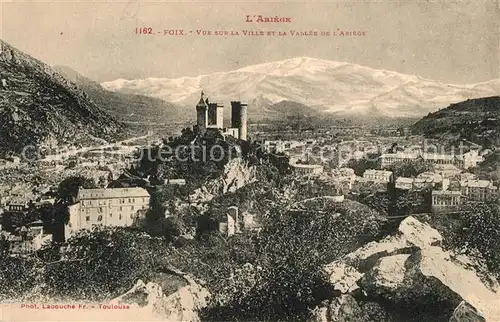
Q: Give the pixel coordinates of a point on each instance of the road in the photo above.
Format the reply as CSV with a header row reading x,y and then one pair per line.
x,y
72,152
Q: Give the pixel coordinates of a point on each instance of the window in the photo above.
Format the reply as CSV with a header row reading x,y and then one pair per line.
x,y
87,218
121,208
99,218
110,215
120,217
132,208
129,200
100,209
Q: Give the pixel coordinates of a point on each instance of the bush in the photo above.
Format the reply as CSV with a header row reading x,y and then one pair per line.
x,y
102,263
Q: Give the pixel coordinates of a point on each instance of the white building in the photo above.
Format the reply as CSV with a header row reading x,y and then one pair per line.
x,y
404,183
377,175
108,207
465,161
479,190
445,200
307,169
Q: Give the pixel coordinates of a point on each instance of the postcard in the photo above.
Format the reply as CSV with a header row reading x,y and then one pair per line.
x,y
249,160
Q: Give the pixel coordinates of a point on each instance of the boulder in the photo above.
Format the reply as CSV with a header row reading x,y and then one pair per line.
x,y
466,313
182,305
413,278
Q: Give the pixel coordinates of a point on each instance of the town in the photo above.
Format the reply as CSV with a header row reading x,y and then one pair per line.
x,y
349,159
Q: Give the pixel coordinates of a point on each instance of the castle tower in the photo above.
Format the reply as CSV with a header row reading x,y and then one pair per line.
x,y
239,118
215,115
202,115
220,116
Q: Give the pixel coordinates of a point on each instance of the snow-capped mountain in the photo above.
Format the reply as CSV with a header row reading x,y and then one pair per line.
x,y
326,86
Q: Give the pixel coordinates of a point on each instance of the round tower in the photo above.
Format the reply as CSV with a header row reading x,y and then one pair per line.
x,y
239,118
243,122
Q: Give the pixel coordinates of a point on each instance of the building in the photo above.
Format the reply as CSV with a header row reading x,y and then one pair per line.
x,y
17,204
404,183
176,182
234,223
307,169
108,207
377,175
479,190
463,161
388,159
210,116
239,118
445,200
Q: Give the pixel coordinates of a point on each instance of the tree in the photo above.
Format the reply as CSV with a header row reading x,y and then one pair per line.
x,y
370,161
68,188
4,246
478,233
288,280
101,263
410,168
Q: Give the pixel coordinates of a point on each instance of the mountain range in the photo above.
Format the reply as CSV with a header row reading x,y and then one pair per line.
x,y
322,86
40,107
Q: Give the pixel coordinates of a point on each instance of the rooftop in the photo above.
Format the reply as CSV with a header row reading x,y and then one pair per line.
x,y
446,193
106,193
306,166
477,183
372,171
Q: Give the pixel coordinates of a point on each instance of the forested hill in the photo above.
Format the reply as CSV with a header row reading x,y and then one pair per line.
x,y
476,120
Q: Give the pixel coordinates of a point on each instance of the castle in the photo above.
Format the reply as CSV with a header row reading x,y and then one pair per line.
x,y
209,116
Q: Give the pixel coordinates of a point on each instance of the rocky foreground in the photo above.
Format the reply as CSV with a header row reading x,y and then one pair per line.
x,y
409,277
406,277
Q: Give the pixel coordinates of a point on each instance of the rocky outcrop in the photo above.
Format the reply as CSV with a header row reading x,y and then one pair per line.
x,y
182,305
409,277
39,107
237,174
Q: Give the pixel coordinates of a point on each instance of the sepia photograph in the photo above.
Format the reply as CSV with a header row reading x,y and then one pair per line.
x,y
250,160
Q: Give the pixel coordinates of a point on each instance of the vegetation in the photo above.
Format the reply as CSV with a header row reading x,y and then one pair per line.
x,y
100,263
475,231
410,169
286,272
475,120
370,161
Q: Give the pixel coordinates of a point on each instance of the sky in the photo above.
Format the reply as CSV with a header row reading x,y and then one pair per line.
x,y
448,41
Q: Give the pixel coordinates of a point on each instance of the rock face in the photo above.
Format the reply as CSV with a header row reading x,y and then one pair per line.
x,y
237,174
409,277
182,305
39,107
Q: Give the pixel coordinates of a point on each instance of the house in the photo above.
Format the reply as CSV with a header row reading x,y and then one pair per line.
x,y
17,204
377,175
108,207
404,183
177,182
463,161
445,200
307,169
235,223
479,190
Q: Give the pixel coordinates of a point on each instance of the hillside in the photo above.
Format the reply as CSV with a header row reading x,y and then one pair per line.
x,y
128,107
326,86
38,106
476,120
